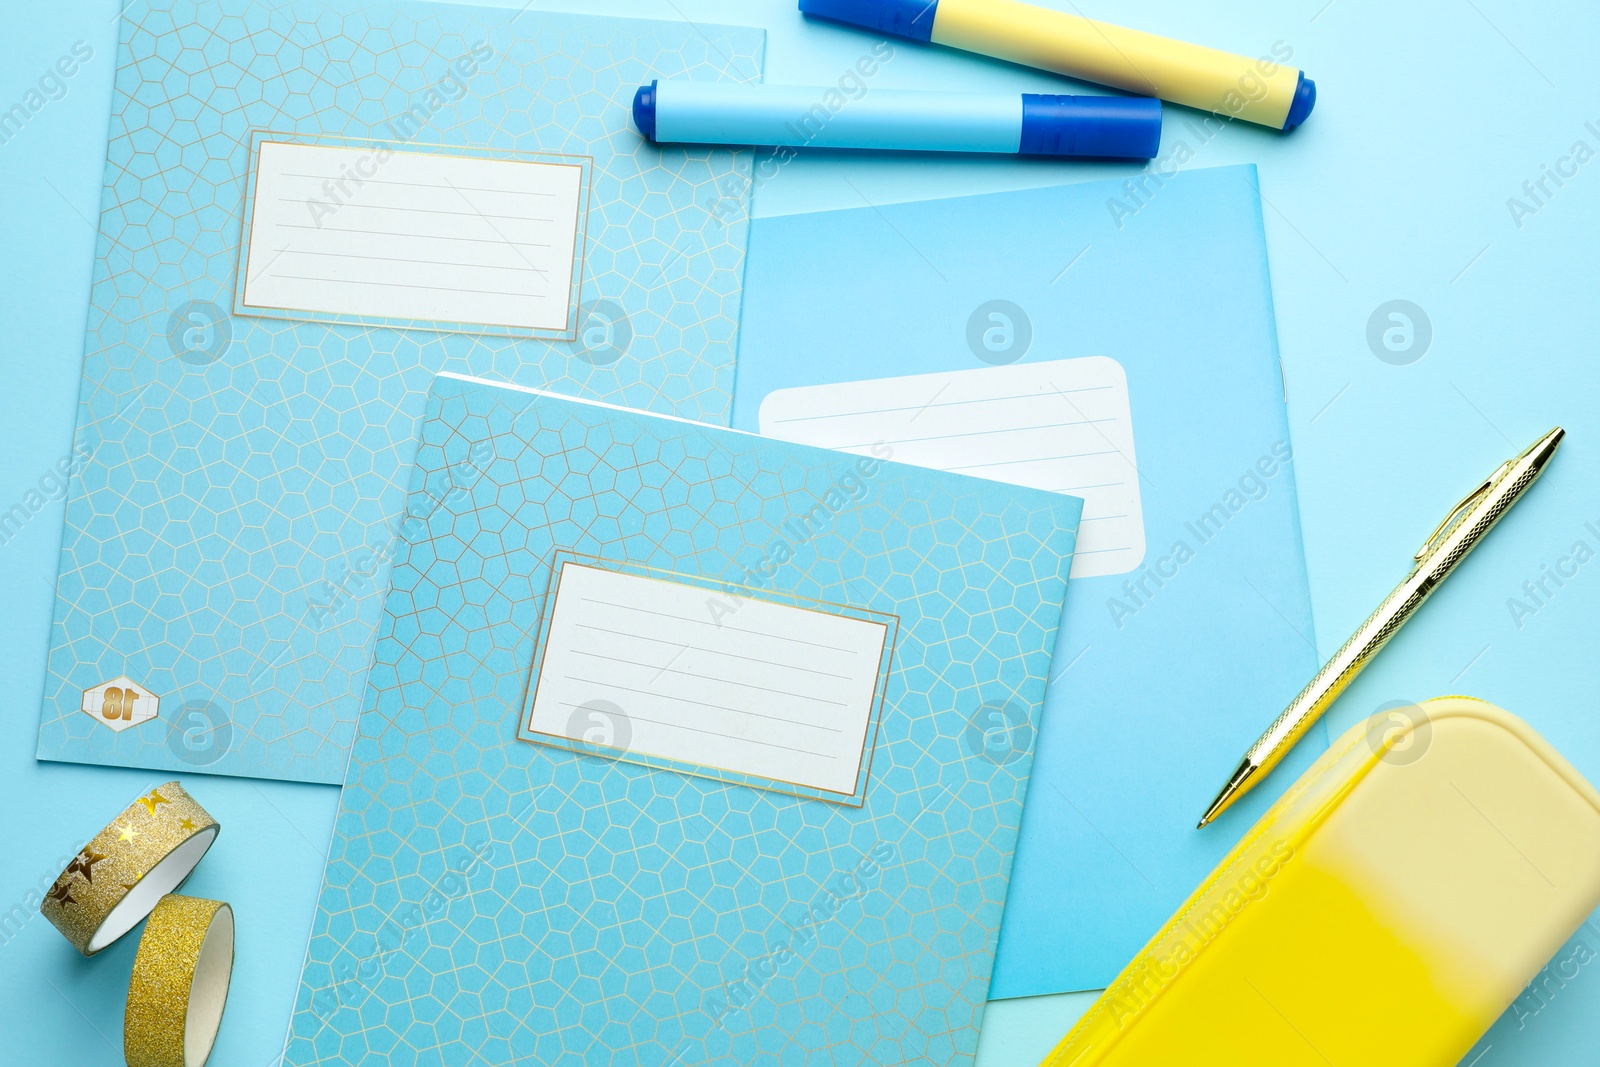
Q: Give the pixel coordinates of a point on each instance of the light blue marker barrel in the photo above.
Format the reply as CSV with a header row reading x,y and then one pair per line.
x,y
685,112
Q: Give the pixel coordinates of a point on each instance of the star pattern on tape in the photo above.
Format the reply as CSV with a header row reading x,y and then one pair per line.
x,y
153,800
186,824
62,894
128,833
83,863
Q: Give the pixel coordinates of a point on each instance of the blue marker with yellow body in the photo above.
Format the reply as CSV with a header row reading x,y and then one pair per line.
x,y
1261,90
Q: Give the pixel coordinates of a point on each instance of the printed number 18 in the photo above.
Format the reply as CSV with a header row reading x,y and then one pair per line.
x,y
118,703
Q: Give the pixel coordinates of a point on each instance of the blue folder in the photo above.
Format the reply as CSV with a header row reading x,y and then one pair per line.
x,y
1166,671
578,826
241,456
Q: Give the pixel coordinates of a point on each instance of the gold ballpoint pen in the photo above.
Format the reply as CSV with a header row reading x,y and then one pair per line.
x,y
1457,535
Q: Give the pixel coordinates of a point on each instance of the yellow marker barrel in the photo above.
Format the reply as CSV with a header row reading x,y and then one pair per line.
x,y
1388,909
1260,90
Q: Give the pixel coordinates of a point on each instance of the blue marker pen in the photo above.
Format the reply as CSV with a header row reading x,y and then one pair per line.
x,y
685,112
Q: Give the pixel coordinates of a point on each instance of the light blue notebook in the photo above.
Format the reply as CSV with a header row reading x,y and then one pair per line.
x,y
309,210
1119,346
682,746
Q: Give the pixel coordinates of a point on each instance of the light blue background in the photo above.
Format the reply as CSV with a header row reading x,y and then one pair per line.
x,y
1431,116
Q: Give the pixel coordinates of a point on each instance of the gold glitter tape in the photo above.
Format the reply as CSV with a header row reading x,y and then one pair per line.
x,y
180,983
121,874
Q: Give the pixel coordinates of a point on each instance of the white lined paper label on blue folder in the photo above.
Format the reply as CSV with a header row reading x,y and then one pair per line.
x,y
1063,426
364,233
680,674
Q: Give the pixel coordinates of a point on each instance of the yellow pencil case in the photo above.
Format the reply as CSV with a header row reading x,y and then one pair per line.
x,y
1386,910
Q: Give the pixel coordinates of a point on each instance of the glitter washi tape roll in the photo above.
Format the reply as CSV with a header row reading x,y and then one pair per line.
x,y
124,871
180,983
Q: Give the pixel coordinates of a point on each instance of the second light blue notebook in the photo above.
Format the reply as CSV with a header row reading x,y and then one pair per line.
x,y
309,208
682,746
1118,346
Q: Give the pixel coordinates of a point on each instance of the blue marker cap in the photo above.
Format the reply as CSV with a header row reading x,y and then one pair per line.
x,y
1305,98
1117,127
900,18
644,110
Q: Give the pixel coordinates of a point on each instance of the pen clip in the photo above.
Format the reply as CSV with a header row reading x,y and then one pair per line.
x,y
1455,513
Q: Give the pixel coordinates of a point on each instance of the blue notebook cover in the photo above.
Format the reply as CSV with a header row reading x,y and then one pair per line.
x,y
682,746
1116,341
308,211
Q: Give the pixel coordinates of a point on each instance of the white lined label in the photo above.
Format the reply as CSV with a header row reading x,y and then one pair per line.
x,y
1062,426
361,233
702,677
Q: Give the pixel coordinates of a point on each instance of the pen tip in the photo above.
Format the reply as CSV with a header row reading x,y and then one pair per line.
x,y
1544,449
1230,792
